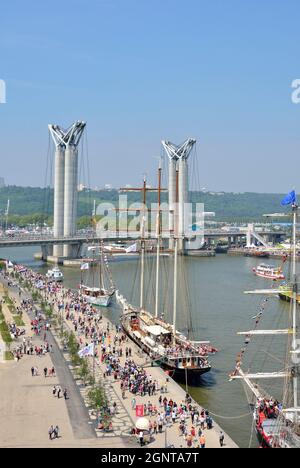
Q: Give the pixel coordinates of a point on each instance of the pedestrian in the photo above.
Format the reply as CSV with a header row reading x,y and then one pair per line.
x,y
54,390
222,439
58,392
141,437
65,394
189,441
45,372
50,432
56,432
133,403
202,442
32,371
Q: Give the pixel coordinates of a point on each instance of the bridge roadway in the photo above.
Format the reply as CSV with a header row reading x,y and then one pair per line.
x,y
108,236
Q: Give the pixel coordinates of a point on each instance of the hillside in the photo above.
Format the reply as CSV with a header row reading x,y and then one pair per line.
x,y
28,204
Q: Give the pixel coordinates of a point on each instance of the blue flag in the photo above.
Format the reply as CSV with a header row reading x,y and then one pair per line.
x,y
290,199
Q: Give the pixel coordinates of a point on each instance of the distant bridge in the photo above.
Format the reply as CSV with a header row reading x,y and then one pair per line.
x,y
48,240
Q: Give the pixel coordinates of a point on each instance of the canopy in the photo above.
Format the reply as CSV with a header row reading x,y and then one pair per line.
x,y
156,330
142,424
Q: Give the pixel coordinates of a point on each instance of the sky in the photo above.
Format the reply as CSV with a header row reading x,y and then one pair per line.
x,y
139,71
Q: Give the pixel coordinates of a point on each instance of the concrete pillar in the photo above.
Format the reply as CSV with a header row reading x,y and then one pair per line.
x,y
172,196
183,195
71,196
59,183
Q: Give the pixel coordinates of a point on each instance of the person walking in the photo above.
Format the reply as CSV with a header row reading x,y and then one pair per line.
x,y
32,372
141,437
50,432
202,441
56,432
54,391
58,392
222,439
65,394
45,372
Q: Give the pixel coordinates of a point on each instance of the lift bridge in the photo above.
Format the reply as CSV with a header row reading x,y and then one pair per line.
x,y
78,241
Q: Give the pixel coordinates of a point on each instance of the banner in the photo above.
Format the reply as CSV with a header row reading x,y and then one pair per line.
x,y
139,411
87,351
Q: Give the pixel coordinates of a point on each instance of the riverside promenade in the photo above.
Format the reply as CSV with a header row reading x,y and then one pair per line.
x,y
77,430
27,406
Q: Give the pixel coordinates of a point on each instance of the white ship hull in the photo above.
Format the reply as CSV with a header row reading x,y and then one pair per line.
x,y
101,301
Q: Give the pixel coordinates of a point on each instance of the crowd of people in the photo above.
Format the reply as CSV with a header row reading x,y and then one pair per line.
x,y
268,409
115,355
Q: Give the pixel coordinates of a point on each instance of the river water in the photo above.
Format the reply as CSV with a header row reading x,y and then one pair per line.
x,y
219,308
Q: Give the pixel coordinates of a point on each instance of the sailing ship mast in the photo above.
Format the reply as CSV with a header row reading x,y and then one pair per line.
x,y
175,230
158,234
295,350
143,246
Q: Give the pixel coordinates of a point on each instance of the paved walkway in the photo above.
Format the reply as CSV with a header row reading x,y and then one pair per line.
x,y
28,408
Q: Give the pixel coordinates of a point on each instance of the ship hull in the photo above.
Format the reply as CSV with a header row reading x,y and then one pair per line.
x,y
270,277
174,371
103,301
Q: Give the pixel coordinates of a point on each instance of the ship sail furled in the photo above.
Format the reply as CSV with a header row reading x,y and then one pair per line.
x,y
277,422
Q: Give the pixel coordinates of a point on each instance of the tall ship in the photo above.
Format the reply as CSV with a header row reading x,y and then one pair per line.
x,y
101,292
275,403
161,340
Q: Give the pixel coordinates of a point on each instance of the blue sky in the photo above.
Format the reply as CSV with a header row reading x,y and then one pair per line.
x,y
140,71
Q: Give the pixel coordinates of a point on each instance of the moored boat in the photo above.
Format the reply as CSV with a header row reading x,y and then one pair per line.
x,y
161,340
99,295
257,253
55,275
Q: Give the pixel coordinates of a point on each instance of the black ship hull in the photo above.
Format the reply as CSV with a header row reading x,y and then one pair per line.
x,y
173,371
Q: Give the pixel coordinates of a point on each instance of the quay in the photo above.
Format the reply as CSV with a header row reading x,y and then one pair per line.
x,y
276,254
125,417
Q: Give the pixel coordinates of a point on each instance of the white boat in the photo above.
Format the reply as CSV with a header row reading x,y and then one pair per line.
x,y
269,272
96,296
55,275
101,294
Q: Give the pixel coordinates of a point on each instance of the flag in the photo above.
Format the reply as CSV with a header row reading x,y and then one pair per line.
x,y
92,248
85,266
39,284
132,248
87,351
290,199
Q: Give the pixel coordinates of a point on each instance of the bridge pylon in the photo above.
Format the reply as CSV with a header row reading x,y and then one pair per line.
x,y
66,184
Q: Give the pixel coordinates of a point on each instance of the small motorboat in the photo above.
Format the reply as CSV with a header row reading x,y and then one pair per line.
x,y
55,275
